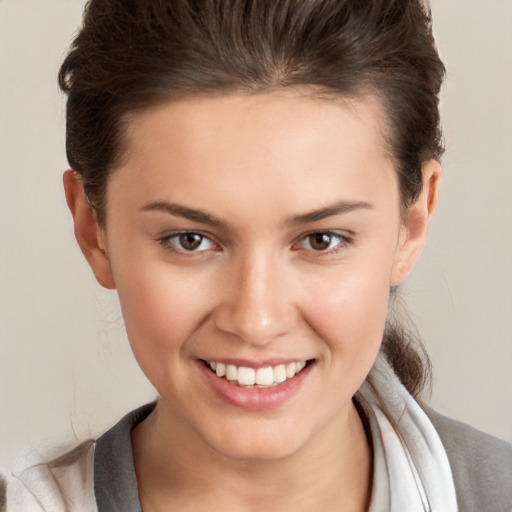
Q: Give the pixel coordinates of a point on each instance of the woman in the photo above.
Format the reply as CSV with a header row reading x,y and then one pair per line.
x,y
254,177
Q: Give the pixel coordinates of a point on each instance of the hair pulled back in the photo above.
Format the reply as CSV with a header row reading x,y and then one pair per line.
x,y
132,54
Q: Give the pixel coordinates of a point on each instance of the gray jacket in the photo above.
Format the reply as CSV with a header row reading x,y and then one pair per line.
x,y
481,465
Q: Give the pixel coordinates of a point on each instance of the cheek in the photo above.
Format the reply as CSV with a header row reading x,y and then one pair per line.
x,y
352,329
349,313
162,309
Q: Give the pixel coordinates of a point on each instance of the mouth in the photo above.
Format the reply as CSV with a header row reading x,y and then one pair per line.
x,y
265,377
256,387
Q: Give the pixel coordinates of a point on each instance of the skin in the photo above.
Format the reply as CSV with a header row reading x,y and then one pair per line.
x,y
256,289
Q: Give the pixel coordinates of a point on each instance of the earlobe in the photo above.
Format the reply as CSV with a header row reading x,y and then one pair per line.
x,y
89,235
414,231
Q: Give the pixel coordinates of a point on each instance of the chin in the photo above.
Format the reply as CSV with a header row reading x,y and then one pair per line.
x,y
265,437
258,447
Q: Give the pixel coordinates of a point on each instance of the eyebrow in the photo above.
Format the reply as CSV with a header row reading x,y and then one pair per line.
x,y
180,210
203,217
329,211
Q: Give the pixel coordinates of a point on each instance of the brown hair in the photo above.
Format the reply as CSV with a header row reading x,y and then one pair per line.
x,y
130,55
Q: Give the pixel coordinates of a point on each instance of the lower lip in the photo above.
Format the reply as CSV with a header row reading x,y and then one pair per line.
x,y
255,398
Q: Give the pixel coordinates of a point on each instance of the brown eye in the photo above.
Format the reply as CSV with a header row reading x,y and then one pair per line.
x,y
190,241
187,243
324,242
320,241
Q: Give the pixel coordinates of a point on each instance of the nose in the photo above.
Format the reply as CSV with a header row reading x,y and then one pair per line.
x,y
258,304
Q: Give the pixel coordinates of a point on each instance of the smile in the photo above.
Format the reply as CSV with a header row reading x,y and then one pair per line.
x,y
260,377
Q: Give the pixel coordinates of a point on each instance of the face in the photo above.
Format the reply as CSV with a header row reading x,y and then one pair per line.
x,y
257,236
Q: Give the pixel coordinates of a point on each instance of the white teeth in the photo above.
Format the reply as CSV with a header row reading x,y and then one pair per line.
x,y
290,370
231,372
279,373
246,376
267,376
220,370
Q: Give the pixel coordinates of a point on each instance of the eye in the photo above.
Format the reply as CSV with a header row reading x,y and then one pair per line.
x,y
187,242
323,241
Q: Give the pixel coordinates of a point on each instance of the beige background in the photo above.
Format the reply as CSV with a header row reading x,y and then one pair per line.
x,y
66,372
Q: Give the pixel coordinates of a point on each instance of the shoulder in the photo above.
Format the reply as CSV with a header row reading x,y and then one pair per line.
x,y
481,465
95,475
61,485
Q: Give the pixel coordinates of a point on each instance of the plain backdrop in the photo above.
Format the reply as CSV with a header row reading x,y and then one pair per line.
x,y
66,372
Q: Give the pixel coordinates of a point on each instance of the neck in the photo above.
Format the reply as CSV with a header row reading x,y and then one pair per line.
x,y
176,468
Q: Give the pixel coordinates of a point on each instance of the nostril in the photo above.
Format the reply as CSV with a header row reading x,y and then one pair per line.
x,y
252,326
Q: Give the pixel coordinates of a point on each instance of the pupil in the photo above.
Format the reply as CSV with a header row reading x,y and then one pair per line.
x,y
320,241
190,241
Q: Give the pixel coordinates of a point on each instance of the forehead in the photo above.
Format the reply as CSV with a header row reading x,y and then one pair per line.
x,y
289,144
208,115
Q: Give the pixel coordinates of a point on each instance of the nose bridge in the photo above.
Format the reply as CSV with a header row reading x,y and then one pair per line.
x,y
259,307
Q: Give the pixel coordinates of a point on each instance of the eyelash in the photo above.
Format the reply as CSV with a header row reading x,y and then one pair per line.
x,y
173,246
167,242
343,241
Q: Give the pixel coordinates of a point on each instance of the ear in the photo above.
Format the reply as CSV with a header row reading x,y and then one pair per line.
x,y
89,235
414,231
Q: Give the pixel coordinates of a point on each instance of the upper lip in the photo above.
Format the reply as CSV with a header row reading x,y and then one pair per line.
x,y
255,364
